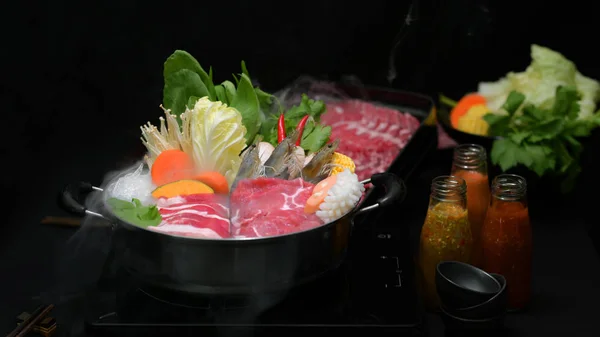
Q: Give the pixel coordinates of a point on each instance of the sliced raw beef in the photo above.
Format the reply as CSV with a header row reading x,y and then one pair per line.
x,y
371,135
198,215
270,206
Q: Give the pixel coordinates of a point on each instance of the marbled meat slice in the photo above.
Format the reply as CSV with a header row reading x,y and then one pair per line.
x,y
199,215
371,135
270,206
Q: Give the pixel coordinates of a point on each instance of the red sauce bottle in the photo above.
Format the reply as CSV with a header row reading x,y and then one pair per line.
x,y
470,163
507,238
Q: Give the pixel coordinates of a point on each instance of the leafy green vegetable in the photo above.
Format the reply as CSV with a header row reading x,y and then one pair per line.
x,y
192,101
183,60
186,82
541,139
221,96
230,91
179,87
246,102
547,71
135,213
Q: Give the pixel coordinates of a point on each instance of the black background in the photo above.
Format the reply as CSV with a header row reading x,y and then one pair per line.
x,y
78,78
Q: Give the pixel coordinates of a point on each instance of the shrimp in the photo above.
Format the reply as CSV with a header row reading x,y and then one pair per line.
x,y
250,166
282,156
318,167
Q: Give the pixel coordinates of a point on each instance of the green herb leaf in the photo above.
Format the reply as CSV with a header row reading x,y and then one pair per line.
x,y
246,102
566,102
543,140
534,114
547,129
540,158
519,137
498,123
317,138
179,87
513,102
120,204
509,154
136,213
307,107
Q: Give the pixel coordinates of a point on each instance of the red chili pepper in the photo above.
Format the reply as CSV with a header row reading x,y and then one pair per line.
x,y
300,128
280,129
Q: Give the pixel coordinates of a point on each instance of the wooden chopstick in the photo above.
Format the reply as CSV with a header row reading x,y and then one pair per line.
x,y
24,328
61,221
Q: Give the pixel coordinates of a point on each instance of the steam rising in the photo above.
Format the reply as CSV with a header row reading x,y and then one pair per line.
x,y
84,256
131,184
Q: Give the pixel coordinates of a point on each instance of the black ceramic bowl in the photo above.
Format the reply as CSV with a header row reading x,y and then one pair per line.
x,y
443,117
494,307
460,285
463,325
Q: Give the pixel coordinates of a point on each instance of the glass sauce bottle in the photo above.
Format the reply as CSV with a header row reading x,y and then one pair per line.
x,y
446,233
507,238
470,163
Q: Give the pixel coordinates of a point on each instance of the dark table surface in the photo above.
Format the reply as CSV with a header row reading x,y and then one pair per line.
x,y
566,266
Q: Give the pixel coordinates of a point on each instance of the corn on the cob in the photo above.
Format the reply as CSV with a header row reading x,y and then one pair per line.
x,y
341,162
473,122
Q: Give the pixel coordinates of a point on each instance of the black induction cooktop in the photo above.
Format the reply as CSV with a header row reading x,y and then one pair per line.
x,y
374,290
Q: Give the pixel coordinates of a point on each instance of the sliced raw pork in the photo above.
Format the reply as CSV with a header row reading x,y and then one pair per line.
x,y
270,206
198,215
371,135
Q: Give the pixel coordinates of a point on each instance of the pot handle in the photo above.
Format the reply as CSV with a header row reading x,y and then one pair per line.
x,y
395,191
69,198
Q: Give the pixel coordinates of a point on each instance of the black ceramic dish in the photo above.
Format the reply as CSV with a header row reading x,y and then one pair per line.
x,y
443,117
494,307
461,285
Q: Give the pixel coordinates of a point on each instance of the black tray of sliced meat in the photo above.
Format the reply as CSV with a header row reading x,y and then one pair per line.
x,y
381,129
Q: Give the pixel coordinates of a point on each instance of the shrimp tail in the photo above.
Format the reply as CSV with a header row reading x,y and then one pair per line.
x,y
294,165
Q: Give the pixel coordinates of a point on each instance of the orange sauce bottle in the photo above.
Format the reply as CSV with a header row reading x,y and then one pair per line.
x,y
445,235
470,163
507,238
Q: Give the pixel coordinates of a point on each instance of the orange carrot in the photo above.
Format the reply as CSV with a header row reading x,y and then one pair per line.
x,y
318,195
463,106
170,166
215,180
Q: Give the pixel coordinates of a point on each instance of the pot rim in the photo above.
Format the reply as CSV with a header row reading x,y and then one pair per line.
x,y
119,221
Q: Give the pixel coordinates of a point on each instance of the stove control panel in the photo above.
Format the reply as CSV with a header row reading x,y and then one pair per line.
x,y
391,257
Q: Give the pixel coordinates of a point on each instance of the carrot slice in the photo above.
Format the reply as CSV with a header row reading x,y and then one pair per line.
x,y
463,106
319,193
170,166
215,180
